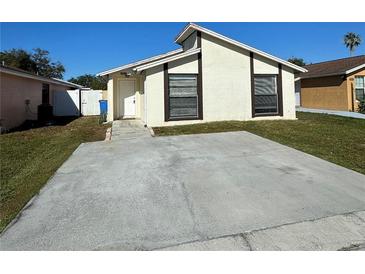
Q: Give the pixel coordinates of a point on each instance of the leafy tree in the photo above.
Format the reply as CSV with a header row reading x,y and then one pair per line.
x,y
297,61
37,62
90,81
352,41
18,58
45,66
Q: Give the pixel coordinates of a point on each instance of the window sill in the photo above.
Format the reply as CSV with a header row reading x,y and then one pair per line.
x,y
265,114
183,119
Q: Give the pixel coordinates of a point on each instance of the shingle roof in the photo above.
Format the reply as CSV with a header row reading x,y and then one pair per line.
x,y
334,67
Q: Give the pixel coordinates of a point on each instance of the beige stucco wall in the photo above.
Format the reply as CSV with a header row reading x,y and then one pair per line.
x,y
110,98
104,94
186,65
115,95
263,65
288,93
155,89
14,90
226,81
226,84
154,92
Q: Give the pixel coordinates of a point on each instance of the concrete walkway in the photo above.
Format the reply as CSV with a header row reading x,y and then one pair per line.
x,y
333,112
128,129
225,191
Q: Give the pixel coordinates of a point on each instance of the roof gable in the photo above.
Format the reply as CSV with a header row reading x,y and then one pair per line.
x,y
191,27
187,31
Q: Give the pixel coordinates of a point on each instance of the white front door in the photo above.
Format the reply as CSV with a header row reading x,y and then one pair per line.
x,y
127,98
130,106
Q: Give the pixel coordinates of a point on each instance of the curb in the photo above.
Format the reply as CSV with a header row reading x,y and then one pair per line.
x,y
108,134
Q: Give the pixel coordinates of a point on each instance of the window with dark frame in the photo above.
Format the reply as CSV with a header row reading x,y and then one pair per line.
x,y
45,94
360,88
266,95
183,96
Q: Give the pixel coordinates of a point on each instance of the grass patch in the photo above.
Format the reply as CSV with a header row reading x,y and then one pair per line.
x,y
337,139
29,158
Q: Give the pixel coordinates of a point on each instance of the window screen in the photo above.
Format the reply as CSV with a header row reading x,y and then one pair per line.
x,y
183,96
266,98
360,88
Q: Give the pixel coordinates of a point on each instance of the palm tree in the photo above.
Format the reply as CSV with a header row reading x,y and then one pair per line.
x,y
352,41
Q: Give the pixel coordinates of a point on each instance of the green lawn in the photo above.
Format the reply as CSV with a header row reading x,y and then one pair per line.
x,y
29,158
336,139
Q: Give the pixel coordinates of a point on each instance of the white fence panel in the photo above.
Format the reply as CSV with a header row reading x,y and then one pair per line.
x,y
66,103
90,102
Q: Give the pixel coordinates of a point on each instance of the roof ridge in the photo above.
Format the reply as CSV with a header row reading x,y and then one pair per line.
x,y
330,61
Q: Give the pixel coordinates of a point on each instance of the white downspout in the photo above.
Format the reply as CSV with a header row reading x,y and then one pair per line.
x,y
145,100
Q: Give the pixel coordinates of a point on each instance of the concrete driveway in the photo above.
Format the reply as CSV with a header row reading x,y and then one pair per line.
x,y
224,191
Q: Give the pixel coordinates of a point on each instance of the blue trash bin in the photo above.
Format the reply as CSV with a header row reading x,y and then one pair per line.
x,y
103,110
103,106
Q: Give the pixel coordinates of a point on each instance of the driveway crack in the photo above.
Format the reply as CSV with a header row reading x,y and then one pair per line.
x,y
191,209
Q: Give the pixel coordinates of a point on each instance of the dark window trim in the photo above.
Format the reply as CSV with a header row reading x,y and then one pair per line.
x,y
167,106
199,39
277,113
166,91
199,87
280,90
200,76
252,85
263,74
279,87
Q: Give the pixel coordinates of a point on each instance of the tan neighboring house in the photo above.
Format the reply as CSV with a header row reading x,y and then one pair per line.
x,y
22,92
209,78
333,85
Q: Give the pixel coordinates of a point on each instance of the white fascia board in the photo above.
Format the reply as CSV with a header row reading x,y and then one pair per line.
x,y
193,26
141,62
68,83
355,69
39,78
168,59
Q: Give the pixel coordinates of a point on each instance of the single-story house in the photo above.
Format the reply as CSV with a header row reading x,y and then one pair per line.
x,y
22,92
210,78
336,85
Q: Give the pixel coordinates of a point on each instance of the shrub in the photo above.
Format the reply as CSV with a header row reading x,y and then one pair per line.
x,y
361,107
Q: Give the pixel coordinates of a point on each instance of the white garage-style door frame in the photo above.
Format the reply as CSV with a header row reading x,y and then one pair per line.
x,y
126,103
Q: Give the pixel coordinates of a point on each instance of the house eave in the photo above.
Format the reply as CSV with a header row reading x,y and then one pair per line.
x,y
39,78
138,63
355,69
167,59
